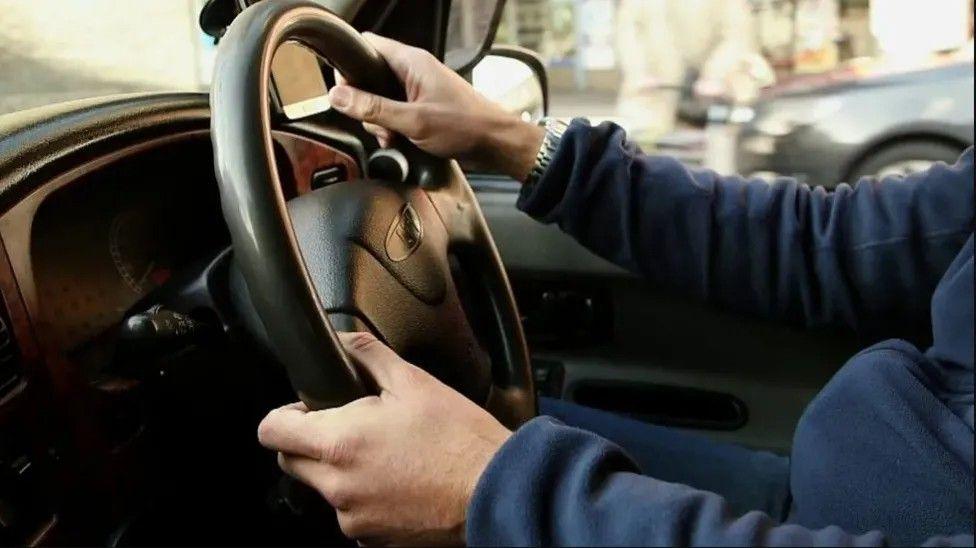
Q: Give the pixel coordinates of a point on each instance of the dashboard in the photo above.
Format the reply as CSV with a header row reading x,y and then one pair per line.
x,y
103,243
104,205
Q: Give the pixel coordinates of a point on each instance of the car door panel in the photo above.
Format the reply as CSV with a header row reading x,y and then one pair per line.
x,y
623,346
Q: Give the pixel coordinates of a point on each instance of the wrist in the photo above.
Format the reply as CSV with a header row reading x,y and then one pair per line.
x,y
554,130
512,146
485,447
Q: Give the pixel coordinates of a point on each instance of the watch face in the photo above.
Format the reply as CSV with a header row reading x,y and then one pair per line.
x,y
558,127
554,132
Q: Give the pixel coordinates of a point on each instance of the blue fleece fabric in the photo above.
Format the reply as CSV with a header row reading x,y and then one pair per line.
x,y
884,455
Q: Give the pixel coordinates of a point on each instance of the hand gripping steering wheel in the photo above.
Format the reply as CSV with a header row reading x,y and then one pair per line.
x,y
413,262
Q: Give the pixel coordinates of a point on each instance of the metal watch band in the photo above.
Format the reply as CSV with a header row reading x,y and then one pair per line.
x,y
555,129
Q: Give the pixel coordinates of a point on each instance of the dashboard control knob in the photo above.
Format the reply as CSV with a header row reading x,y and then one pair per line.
x,y
389,165
150,336
157,323
159,330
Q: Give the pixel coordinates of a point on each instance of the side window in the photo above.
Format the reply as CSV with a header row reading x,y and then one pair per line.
x,y
706,80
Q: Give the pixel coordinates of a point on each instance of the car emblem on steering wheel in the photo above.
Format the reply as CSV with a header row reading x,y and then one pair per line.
x,y
405,234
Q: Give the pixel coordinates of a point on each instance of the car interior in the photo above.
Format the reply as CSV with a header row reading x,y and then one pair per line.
x,y
175,265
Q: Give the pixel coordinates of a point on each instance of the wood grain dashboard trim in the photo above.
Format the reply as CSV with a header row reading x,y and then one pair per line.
x,y
304,158
55,398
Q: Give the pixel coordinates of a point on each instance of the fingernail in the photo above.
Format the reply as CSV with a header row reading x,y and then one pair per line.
x,y
340,97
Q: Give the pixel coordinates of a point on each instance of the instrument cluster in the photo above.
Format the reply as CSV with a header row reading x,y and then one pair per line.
x,y
101,244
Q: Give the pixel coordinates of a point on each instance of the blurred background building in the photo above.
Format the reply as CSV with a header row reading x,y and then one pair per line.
x,y
661,68
634,59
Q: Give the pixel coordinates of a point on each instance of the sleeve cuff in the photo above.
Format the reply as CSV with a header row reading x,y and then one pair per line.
x,y
536,468
540,198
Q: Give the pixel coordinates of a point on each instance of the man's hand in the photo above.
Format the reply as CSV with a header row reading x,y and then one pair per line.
x,y
399,467
443,114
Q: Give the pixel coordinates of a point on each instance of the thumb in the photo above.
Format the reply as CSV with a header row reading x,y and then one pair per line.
x,y
367,107
374,357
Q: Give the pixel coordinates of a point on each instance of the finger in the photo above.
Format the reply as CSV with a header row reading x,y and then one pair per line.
x,y
298,406
376,130
373,356
328,435
311,472
383,135
397,54
357,525
368,107
384,142
290,429
320,476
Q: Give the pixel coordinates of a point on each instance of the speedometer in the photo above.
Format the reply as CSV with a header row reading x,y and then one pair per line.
x,y
134,244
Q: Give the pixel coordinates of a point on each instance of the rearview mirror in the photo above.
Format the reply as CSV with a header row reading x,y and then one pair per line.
x,y
471,29
516,79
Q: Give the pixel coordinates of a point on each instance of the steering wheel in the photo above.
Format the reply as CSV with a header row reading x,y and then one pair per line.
x,y
413,262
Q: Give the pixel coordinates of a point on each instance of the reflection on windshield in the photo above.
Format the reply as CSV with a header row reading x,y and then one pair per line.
x,y
54,50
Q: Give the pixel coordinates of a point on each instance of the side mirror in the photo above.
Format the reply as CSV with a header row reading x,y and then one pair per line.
x,y
515,78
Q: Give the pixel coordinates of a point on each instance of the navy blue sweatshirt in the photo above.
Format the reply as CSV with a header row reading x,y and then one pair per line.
x,y
883,455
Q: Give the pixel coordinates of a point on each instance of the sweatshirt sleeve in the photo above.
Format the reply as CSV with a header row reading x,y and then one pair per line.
x,y
551,484
867,256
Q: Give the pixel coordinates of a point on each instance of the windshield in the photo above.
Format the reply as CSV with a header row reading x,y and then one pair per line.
x,y
59,50
605,53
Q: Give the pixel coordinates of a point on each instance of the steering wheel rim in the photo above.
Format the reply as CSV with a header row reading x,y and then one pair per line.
x,y
285,292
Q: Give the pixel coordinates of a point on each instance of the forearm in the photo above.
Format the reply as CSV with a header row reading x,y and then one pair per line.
x,y
780,250
510,146
555,485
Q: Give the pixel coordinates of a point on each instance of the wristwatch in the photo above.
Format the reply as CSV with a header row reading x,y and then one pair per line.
x,y
555,129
